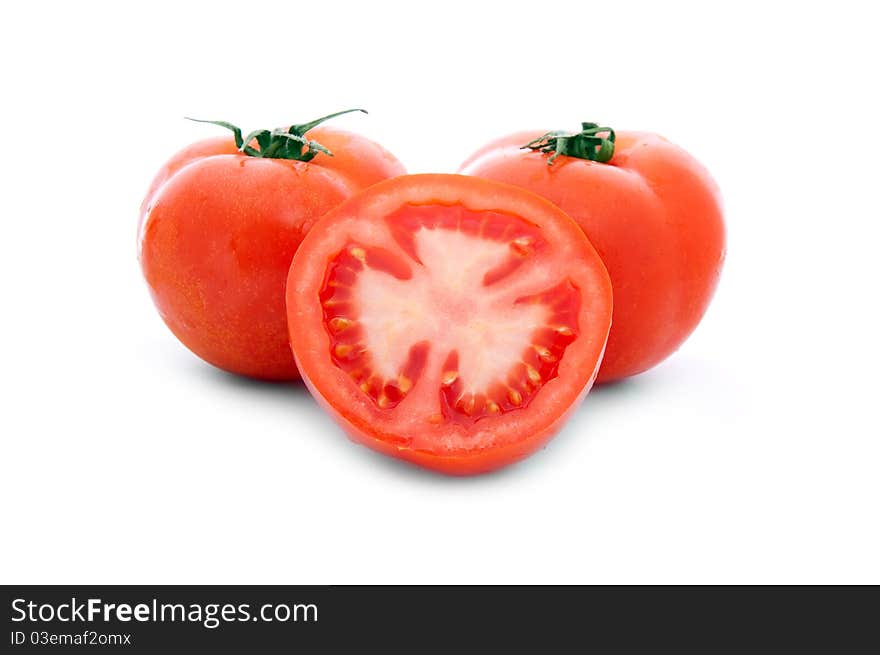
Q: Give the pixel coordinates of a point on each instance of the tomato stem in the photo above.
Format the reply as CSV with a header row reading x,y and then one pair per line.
x,y
281,143
593,142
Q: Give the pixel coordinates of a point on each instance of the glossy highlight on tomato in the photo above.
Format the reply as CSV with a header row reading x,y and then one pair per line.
x,y
653,214
219,228
448,321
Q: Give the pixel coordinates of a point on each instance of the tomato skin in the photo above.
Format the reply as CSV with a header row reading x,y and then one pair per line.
x,y
501,440
218,231
218,145
362,161
654,215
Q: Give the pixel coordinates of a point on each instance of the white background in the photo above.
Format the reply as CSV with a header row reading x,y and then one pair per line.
x,y
749,456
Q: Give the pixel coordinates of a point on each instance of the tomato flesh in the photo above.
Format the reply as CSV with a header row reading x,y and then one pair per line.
x,y
453,332
381,311
537,362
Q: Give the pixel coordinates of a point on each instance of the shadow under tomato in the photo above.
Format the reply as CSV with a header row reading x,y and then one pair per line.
x,y
617,388
264,386
295,395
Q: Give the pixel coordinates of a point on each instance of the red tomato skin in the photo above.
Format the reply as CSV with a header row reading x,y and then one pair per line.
x,y
654,215
216,249
362,161
310,350
217,232
218,145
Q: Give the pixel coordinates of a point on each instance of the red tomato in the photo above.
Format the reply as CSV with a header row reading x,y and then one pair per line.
x,y
449,321
219,229
653,214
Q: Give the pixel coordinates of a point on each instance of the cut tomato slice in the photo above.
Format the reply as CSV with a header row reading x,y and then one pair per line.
x,y
447,320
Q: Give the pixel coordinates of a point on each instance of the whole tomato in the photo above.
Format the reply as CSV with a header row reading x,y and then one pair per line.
x,y
652,212
220,225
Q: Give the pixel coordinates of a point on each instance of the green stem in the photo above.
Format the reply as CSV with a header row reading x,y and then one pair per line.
x,y
281,143
305,127
593,143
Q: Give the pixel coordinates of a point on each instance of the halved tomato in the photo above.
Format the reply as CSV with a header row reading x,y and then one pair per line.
x,y
447,320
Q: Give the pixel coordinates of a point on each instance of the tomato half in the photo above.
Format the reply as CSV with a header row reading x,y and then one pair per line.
x,y
218,231
449,321
653,214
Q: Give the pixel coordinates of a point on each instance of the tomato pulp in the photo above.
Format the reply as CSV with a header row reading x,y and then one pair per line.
x,y
449,321
219,228
653,214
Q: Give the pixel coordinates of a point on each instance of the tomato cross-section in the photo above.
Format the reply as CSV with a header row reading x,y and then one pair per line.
x,y
449,321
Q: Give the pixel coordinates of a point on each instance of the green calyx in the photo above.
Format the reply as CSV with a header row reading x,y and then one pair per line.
x,y
280,143
593,142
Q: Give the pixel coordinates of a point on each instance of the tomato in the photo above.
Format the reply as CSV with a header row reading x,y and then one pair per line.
x,y
449,321
220,225
652,212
